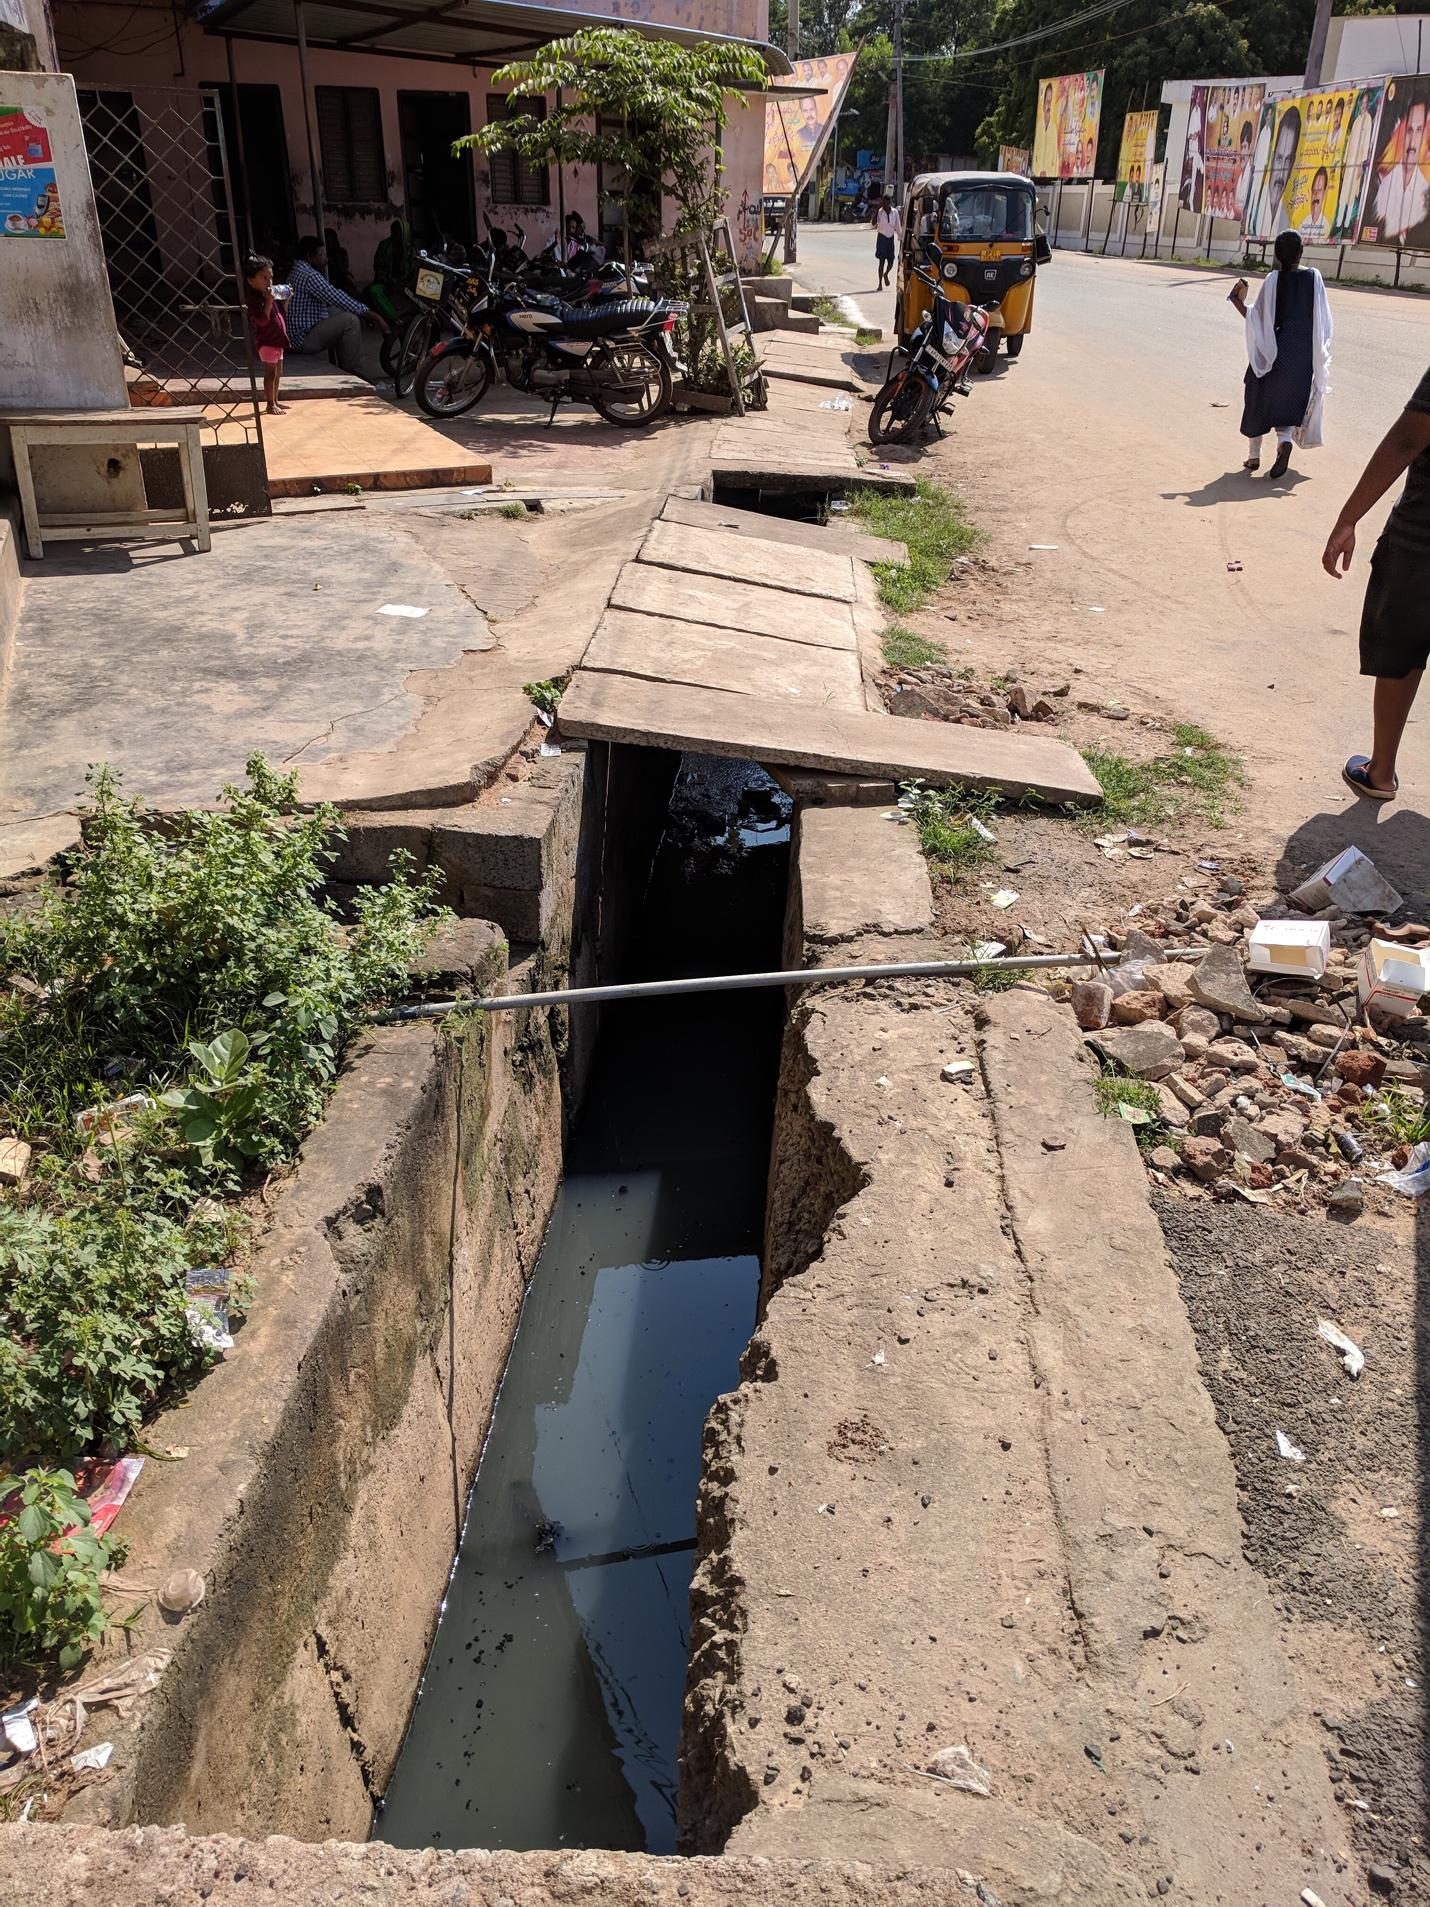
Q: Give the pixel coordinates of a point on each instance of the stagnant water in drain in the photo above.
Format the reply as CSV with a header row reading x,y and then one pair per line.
x,y
549,1714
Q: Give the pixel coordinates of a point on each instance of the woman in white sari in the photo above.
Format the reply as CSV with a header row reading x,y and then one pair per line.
x,y
1288,342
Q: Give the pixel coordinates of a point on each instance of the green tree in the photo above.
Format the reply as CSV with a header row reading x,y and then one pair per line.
x,y
650,107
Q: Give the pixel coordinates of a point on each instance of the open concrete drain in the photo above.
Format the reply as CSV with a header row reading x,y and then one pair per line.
x,y
549,1714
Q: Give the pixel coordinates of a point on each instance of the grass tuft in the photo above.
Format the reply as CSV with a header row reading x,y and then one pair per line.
x,y
1196,779
933,527
1136,1102
944,819
904,648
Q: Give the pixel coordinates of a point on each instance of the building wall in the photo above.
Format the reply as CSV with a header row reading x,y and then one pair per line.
x,y
1364,48
148,54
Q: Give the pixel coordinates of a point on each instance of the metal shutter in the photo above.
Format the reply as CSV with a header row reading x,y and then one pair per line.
x,y
350,135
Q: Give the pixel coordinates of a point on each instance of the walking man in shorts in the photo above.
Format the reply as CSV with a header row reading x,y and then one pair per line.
x,y
886,232
1395,622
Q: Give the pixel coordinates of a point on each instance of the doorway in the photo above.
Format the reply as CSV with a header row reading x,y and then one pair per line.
x,y
440,204
257,153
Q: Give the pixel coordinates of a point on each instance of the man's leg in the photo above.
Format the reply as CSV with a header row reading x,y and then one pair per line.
x,y
340,331
1394,697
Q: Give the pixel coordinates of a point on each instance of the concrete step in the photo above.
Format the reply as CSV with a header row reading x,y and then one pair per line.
x,y
769,285
779,317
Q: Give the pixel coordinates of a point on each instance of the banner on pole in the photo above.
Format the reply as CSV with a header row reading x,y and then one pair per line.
x,y
1394,193
1065,132
1218,158
1312,169
797,130
1137,157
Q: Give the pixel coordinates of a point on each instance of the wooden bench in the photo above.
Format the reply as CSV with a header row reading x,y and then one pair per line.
x,y
126,429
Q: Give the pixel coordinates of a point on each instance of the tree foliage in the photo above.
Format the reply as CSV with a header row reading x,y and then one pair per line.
x,y
649,107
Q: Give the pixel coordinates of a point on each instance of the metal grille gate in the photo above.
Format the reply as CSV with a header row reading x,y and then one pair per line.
x,y
159,163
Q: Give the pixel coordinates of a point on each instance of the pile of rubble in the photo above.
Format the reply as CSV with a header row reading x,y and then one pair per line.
x,y
938,694
1298,1088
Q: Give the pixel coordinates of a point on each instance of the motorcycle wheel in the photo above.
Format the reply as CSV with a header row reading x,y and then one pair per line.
x,y
449,385
646,383
988,356
1015,344
413,345
900,410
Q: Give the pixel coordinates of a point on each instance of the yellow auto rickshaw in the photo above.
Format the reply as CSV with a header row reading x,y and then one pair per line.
x,y
978,230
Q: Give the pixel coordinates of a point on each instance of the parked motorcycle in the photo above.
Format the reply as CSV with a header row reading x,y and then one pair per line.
x,y
433,298
945,343
607,352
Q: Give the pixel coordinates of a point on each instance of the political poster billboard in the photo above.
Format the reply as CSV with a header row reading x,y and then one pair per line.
x,y
1015,159
1312,165
1065,132
1217,161
796,129
1395,191
1137,157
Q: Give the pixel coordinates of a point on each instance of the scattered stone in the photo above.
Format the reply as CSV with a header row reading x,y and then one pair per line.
x,y
1209,1122
1359,1068
1220,983
1091,1004
1206,1157
1324,1036
14,1161
1348,1200
1043,710
1173,981
1382,1879
1164,1159
1283,1129
1235,1055
1196,1022
1132,1009
1189,1095
1247,1142
1139,947
1149,1051
1173,1112
1018,702
1193,1046
1052,1144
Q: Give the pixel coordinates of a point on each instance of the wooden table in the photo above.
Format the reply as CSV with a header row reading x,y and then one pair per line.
x,y
123,429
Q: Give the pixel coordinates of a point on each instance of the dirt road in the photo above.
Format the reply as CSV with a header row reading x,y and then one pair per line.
x,y
1115,437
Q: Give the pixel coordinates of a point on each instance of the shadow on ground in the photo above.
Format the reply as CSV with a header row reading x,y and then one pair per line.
x,y
1397,840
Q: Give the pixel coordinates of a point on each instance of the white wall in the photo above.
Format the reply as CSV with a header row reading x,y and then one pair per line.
x,y
58,344
1363,48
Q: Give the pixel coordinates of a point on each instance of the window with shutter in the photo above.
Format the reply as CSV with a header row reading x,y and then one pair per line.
x,y
350,135
515,180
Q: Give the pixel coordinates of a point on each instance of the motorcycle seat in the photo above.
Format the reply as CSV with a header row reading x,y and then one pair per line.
x,y
604,319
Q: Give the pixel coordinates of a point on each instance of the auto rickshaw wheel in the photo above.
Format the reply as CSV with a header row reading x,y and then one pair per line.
x,y
1014,345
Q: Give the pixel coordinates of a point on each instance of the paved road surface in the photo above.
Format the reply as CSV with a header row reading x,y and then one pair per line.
x,y
1105,438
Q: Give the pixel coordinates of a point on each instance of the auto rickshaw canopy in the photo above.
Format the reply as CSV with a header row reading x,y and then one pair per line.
x,y
987,207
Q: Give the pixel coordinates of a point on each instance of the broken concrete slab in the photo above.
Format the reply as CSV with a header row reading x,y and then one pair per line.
x,y
710,552
1219,982
727,604
663,650
859,873
777,529
754,728
1149,1051
813,789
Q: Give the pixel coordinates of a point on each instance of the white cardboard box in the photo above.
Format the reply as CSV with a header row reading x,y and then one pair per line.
x,y
1297,948
1350,881
1393,978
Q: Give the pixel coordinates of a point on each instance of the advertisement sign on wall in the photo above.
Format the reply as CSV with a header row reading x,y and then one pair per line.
x,y
1137,157
1394,191
1065,132
796,129
29,194
1015,159
1311,172
1218,160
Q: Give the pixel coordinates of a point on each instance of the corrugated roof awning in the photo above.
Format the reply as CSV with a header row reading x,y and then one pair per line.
x,y
473,32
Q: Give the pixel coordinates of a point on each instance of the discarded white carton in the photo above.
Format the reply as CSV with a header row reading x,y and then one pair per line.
x,y
1393,978
1300,948
1352,882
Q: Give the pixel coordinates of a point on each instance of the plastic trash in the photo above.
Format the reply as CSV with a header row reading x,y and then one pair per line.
x,y
400,609
1351,1355
1005,897
983,833
1288,1450
18,1729
1301,1086
958,1069
1414,1180
91,1760
182,1591
958,1768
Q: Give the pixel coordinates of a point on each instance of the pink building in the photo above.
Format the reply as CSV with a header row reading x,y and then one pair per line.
x,y
355,103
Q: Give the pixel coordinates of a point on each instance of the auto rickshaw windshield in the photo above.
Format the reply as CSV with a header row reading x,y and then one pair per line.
x,y
983,214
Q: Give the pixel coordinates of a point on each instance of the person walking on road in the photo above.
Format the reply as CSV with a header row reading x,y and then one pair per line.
x,y
1395,620
1288,342
320,316
886,233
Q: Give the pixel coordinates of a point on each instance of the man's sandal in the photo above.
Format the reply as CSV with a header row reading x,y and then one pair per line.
x,y
1356,776
1252,463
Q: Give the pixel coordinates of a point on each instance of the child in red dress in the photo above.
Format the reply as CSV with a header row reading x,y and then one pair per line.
x,y
268,325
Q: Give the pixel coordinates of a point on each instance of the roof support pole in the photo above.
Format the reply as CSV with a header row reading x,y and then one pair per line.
x,y
310,117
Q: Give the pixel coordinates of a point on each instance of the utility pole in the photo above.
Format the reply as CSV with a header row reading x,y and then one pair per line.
x,y
1316,53
894,153
791,245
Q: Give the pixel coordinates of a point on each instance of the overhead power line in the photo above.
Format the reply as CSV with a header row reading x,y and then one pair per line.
x,y
1058,27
